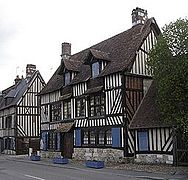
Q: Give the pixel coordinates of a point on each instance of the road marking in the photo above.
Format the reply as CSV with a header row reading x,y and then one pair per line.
x,y
34,177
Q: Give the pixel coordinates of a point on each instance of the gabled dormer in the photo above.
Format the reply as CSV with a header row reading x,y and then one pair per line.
x,y
97,60
69,67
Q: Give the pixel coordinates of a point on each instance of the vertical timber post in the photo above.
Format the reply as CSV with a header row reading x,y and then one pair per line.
x,y
124,111
175,153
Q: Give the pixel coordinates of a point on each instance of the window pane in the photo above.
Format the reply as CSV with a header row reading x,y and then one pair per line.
x,y
95,69
109,137
66,78
101,137
143,140
92,137
85,137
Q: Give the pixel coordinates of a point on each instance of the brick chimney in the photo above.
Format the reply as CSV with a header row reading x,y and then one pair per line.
x,y
66,50
17,79
30,69
139,16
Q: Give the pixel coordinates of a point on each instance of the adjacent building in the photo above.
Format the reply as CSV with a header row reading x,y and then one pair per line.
x,y
89,102
20,113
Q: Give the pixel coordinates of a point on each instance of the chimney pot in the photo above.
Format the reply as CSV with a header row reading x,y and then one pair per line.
x,y
139,16
17,79
30,69
66,50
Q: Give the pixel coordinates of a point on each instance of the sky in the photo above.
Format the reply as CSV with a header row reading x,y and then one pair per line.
x,y
31,31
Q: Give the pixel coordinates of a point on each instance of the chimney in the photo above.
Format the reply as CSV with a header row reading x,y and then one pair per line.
x,y
139,16
66,50
30,69
17,79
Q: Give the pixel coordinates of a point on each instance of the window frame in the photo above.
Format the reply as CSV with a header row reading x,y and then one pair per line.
x,y
97,106
95,141
140,146
81,112
66,104
67,76
55,112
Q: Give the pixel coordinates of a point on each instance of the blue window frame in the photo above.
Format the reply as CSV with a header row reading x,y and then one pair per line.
x,y
95,69
67,78
143,141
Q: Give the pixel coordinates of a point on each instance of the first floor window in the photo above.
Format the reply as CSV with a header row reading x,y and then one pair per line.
x,y
67,109
8,122
80,107
56,112
96,105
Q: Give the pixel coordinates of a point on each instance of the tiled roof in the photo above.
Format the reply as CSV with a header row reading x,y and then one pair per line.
x,y
15,92
147,114
119,50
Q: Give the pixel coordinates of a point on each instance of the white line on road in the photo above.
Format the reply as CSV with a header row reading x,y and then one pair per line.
x,y
34,177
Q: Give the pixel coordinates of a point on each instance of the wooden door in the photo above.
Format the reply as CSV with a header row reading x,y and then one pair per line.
x,y
1,145
67,149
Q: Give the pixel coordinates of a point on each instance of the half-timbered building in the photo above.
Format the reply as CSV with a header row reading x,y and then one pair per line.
x,y
20,113
89,102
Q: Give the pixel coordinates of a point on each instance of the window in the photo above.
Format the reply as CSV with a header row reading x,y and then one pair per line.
x,y
143,140
8,122
67,109
67,78
97,105
54,141
95,69
85,137
101,137
9,143
44,141
56,112
97,137
109,137
80,107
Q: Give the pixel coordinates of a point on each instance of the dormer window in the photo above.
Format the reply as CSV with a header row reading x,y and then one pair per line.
x,y
67,78
96,69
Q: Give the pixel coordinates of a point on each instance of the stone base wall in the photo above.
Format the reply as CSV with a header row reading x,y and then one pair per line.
x,y
49,154
107,155
154,158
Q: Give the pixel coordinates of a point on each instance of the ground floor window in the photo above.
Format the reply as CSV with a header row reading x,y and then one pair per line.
x,y
9,143
101,137
54,141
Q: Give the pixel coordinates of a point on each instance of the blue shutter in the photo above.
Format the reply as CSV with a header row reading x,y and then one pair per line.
x,y
116,137
143,140
78,137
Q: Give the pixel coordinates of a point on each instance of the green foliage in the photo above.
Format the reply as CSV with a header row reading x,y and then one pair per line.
x,y
169,60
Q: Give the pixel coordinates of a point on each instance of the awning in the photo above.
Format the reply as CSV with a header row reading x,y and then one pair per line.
x,y
94,90
66,96
65,127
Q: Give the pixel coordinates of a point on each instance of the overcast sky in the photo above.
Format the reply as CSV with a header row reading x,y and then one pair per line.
x,y
31,31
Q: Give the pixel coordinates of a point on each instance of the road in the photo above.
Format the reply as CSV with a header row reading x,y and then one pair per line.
x,y
17,170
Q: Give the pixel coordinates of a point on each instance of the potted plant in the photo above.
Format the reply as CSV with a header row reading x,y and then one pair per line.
x,y
34,157
60,160
94,164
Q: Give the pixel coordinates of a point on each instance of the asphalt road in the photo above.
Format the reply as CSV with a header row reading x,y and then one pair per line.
x,y
17,170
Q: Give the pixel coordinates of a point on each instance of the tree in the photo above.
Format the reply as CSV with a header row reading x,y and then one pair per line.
x,y
169,61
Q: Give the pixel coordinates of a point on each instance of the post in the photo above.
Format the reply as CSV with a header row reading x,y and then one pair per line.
x,y
175,152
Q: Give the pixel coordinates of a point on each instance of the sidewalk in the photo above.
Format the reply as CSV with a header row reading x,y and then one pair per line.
x,y
158,172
